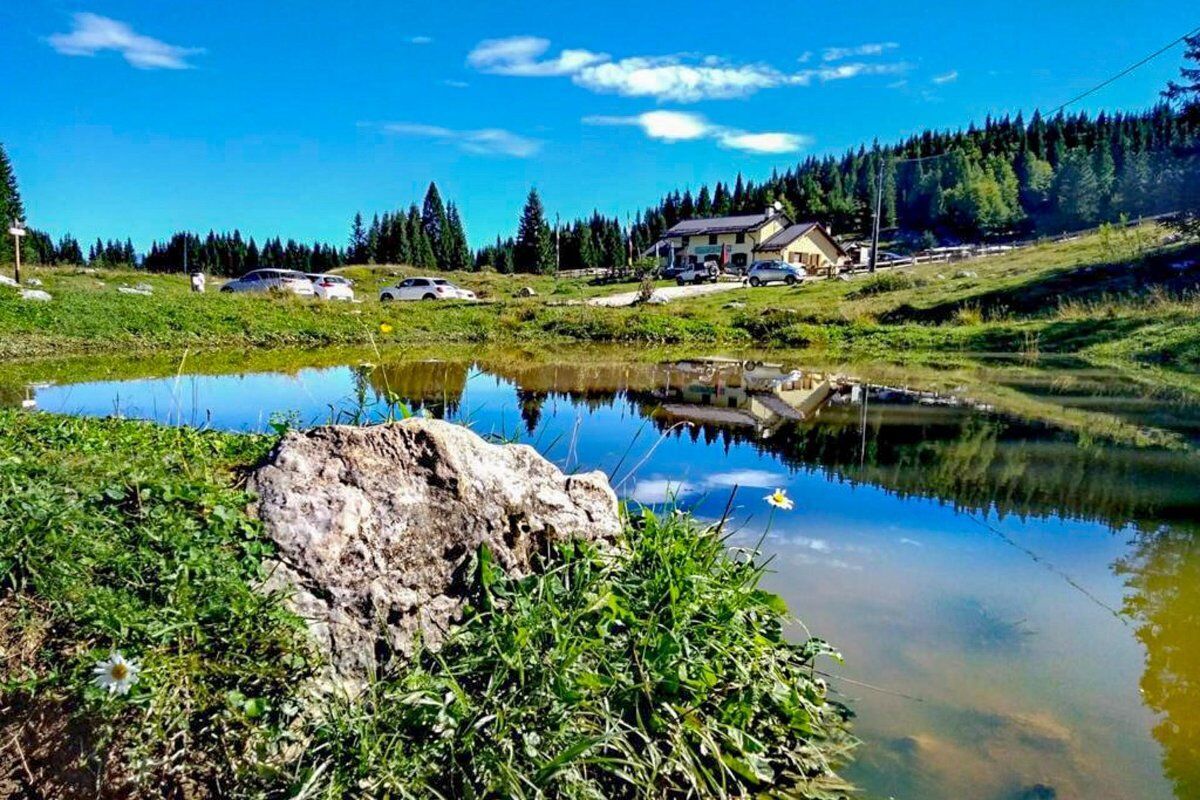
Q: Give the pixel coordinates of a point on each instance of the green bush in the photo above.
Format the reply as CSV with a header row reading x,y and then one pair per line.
x,y
659,669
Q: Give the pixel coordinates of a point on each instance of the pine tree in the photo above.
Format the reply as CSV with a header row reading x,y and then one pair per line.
x,y
534,250
458,252
1075,189
11,208
357,254
433,220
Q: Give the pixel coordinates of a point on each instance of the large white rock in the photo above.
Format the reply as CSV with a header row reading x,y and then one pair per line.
x,y
35,294
376,528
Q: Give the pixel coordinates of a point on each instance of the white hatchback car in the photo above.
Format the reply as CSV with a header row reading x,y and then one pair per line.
x,y
424,289
264,280
331,287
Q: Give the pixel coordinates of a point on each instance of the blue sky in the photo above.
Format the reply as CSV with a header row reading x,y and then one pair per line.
x,y
139,118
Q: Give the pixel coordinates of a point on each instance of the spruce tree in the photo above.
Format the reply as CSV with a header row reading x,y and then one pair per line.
x,y
357,254
433,220
534,248
11,208
457,250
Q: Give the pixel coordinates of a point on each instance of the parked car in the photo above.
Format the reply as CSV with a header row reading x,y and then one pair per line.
x,y
264,280
767,271
424,289
332,287
699,273
673,269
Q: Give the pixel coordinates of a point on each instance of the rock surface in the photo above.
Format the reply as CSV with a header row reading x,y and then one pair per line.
x,y
376,528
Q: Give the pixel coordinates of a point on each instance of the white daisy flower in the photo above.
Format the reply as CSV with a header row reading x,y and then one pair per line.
x,y
116,674
779,499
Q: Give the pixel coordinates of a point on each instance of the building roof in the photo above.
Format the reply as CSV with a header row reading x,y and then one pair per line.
x,y
698,227
794,232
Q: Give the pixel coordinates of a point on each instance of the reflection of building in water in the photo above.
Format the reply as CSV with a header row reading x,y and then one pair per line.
x,y
752,394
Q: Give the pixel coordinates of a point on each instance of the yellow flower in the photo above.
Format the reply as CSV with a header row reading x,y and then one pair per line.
x,y
385,328
779,499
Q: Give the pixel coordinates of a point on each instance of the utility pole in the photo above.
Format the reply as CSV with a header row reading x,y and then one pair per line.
x,y
557,248
875,222
17,230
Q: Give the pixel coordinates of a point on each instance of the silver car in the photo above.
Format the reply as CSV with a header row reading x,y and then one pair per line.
x,y
264,280
767,271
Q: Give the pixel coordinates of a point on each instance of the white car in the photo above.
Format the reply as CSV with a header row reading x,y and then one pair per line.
x,y
332,287
424,289
264,280
699,273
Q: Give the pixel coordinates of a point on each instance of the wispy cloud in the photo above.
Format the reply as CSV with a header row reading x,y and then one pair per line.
x,y
483,141
675,78
420,40
873,49
679,126
93,33
519,56
946,77
455,84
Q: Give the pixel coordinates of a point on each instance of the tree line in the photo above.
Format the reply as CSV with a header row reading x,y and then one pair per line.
x,y
431,237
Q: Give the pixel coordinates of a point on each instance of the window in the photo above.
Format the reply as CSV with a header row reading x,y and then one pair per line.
x,y
712,238
741,238
686,240
406,282
739,259
420,282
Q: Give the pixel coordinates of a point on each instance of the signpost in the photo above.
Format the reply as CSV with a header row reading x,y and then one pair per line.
x,y
17,232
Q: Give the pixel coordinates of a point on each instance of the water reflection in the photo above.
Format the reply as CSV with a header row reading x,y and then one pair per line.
x,y
963,545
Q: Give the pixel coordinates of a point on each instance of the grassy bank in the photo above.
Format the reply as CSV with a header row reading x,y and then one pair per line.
x,y
1121,296
660,665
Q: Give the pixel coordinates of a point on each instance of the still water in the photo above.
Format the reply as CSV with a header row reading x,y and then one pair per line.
x,y
1006,555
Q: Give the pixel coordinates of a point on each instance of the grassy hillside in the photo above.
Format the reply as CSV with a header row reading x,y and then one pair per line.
x,y
1117,295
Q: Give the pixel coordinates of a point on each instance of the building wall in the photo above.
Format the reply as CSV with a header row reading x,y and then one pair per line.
x,y
699,248
811,243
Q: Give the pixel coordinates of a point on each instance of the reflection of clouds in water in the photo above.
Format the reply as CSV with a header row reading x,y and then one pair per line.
x,y
746,478
657,489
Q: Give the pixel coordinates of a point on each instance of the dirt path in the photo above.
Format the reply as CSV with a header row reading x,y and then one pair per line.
x,y
669,292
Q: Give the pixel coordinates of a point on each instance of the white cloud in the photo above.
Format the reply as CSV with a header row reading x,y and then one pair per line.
x,y
679,126
518,55
683,79
420,40
484,141
874,49
456,84
666,79
93,33
763,142
910,542
946,77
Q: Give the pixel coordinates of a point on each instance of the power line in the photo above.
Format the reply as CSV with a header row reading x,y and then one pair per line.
x,y
1124,72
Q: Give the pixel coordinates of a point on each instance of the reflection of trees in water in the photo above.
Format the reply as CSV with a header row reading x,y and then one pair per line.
x,y
1163,572
433,386
976,461
982,462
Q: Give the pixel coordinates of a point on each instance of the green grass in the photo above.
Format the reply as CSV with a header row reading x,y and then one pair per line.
x,y
1115,297
659,666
